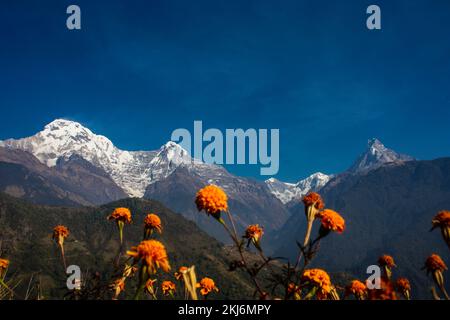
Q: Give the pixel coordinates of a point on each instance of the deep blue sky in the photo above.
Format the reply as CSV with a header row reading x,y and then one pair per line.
x,y
140,69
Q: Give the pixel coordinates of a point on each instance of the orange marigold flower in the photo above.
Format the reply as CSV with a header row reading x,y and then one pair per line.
x,y
152,222
315,199
435,263
168,288
318,278
386,291
403,284
442,219
386,261
60,231
153,254
254,232
179,275
332,295
404,287
4,263
331,220
212,199
59,234
207,285
357,288
121,214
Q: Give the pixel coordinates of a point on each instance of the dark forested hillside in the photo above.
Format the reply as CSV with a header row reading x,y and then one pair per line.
x,y
25,239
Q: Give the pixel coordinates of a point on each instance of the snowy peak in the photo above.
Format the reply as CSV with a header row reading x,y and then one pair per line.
x,y
62,138
284,191
169,157
287,192
67,132
133,171
66,128
314,182
375,156
174,153
374,145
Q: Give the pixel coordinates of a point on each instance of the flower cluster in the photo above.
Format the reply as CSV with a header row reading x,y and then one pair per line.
x,y
301,282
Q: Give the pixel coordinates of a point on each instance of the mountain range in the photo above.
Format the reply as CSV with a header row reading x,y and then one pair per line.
x,y
387,198
169,175
67,164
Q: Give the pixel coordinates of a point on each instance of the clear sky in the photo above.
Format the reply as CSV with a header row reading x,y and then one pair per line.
x,y
140,69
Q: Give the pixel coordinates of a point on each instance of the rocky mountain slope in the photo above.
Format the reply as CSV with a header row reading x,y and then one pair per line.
x,y
72,181
250,201
387,210
375,156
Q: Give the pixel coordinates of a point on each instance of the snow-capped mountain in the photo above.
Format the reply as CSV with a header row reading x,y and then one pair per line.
x,y
284,191
172,156
375,156
287,192
133,171
65,157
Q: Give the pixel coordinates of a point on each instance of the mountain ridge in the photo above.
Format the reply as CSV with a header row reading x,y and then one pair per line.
x,y
73,181
387,210
375,156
